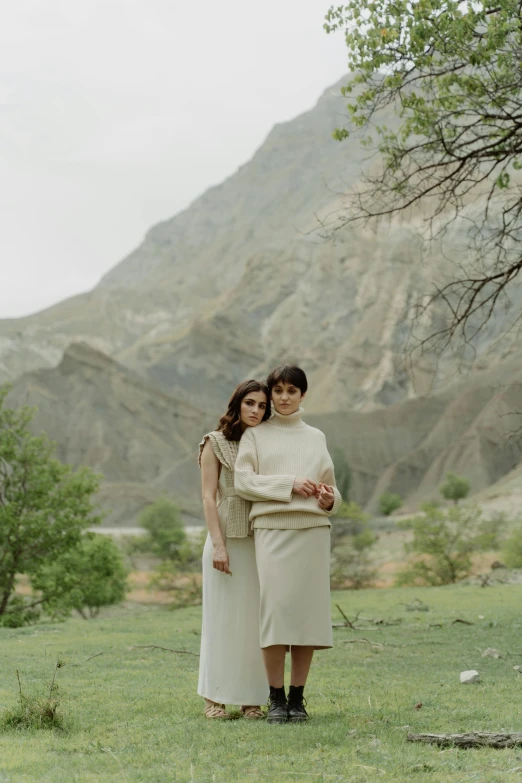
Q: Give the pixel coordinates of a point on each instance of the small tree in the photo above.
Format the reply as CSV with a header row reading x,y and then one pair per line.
x,y
450,72
443,544
44,505
349,520
166,536
352,541
343,474
182,581
389,502
86,578
512,553
455,488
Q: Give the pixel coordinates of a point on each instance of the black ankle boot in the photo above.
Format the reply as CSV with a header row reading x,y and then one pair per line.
x,y
277,712
296,704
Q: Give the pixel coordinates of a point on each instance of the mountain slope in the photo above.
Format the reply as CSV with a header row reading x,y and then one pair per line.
x,y
245,278
128,376
471,428
145,442
102,415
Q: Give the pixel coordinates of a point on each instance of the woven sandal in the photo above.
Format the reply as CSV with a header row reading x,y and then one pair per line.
x,y
252,713
216,712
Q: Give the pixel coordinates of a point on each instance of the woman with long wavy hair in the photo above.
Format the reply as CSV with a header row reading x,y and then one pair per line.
x,y
231,667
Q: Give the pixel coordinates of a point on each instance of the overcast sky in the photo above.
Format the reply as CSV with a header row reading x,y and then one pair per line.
x,y
116,114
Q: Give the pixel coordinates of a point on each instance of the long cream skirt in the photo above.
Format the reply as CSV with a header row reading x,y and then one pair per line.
x,y
294,576
231,667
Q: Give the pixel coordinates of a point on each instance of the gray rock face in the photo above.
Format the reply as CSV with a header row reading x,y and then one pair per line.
x,y
244,279
103,415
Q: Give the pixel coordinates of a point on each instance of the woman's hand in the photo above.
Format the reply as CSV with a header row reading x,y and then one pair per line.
x,y
326,497
305,487
220,559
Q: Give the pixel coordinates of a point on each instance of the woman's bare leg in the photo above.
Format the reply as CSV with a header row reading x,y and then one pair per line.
x,y
274,660
301,662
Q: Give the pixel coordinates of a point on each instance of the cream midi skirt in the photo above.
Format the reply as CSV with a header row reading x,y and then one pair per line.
x,y
231,667
294,577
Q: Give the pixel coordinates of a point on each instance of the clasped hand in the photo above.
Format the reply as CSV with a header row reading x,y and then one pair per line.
x,y
323,492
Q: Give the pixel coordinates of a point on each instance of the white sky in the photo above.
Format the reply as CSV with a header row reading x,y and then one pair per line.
x,y
116,114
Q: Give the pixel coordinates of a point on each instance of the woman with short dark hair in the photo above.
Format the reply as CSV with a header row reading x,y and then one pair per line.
x,y
284,468
231,667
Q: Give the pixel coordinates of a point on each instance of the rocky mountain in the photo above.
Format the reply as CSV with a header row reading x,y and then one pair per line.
x,y
245,277
472,427
103,415
144,442
249,276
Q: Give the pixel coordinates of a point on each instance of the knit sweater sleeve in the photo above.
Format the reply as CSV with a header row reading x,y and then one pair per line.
x,y
249,484
328,477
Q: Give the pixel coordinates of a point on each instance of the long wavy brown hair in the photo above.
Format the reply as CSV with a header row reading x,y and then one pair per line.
x,y
230,422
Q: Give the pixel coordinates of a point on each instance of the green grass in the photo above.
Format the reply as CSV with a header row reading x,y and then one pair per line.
x,y
132,715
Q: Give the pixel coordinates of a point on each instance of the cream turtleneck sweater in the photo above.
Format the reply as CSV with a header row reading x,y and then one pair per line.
x,y
269,459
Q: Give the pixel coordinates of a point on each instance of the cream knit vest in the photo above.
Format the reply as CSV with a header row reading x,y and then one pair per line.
x,y
269,459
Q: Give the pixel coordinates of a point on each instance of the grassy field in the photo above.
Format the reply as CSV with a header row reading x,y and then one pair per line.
x,y
132,714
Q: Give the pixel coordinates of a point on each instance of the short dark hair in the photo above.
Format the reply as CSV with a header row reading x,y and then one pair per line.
x,y
230,422
288,373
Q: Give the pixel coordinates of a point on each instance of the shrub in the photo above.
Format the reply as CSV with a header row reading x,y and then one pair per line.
x,y
86,578
490,533
352,541
182,581
36,712
443,543
512,553
389,502
20,611
349,520
165,537
343,473
45,505
454,488
185,588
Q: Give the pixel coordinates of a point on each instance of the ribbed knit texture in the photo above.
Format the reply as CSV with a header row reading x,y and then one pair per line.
x,y
233,510
270,457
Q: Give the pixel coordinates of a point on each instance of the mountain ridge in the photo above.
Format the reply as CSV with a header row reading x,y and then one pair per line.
x,y
242,280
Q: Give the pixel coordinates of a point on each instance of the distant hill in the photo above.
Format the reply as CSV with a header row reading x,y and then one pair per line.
x,y
103,415
129,375
145,442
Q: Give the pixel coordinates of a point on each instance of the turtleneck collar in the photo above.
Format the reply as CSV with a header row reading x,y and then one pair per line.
x,y
292,420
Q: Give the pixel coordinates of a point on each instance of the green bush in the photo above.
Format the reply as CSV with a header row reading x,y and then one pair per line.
x,y
491,532
352,540
45,506
182,580
389,502
85,579
165,537
343,474
454,488
20,611
443,543
512,552
349,520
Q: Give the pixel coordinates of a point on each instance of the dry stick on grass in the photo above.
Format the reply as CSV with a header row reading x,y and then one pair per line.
x,y
365,641
471,739
464,622
347,621
158,647
93,656
350,623
20,688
